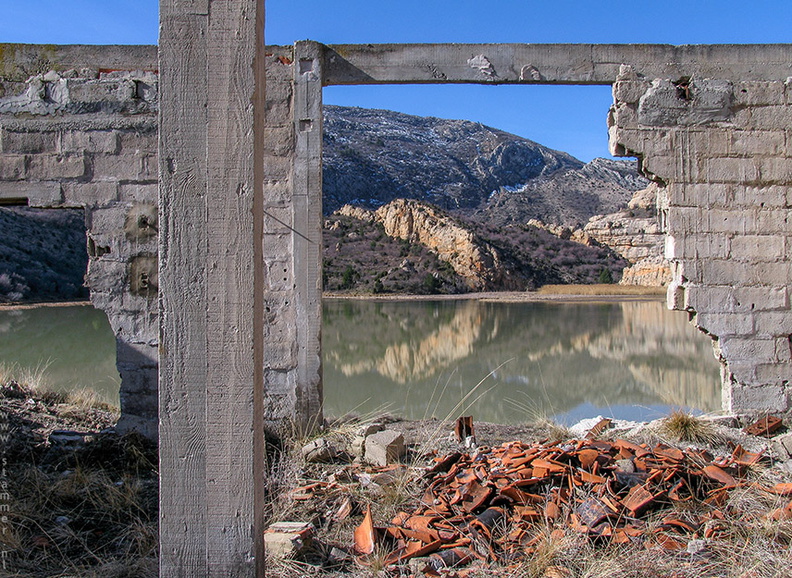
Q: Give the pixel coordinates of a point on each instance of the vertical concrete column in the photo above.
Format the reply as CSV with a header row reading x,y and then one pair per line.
x,y
308,122
292,238
211,446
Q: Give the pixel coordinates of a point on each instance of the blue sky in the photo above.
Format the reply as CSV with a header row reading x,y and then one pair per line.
x,y
566,118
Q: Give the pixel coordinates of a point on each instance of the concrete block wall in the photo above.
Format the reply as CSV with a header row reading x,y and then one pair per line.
x,y
721,151
85,138
292,238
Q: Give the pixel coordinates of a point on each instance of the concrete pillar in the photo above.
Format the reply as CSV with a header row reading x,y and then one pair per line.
x,y
211,434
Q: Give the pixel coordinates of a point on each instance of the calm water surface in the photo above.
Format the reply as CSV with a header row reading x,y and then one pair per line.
x,y
501,362
73,345
629,360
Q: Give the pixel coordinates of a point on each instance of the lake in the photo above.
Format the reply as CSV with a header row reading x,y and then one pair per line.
x,y
567,361
498,361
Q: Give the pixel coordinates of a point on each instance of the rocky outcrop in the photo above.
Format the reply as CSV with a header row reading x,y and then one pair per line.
x,y
635,234
476,261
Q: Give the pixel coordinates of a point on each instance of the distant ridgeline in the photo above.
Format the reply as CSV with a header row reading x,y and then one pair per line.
x,y
489,211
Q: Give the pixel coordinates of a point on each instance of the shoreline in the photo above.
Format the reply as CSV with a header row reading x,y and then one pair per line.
x,y
512,296
549,294
37,304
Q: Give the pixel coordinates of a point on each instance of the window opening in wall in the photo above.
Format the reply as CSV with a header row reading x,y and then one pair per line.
x,y
419,205
50,336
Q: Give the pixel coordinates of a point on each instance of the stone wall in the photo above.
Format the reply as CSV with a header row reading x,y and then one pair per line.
x,y
720,150
85,136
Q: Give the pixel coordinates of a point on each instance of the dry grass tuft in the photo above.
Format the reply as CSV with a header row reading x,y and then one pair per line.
x,y
685,427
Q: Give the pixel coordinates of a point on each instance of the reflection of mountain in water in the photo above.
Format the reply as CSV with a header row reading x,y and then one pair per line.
x,y
552,357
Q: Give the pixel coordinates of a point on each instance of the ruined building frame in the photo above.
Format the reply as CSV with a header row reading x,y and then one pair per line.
x,y
205,253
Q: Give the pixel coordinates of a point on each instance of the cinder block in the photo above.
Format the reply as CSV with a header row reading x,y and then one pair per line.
x,y
52,167
758,399
287,539
138,141
38,193
770,196
773,323
771,117
732,170
93,141
93,194
756,349
775,170
755,142
760,298
383,448
714,299
729,221
278,275
755,93
279,140
139,193
775,374
28,142
757,247
278,220
12,167
277,168
100,90
629,91
783,349
125,167
726,324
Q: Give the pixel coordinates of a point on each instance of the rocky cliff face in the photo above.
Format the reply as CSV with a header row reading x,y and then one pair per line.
x,y
477,262
483,258
635,234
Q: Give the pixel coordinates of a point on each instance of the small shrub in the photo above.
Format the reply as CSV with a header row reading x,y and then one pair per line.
x,y
605,277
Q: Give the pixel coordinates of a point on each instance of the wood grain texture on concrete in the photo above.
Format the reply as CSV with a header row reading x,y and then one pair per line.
x,y
208,52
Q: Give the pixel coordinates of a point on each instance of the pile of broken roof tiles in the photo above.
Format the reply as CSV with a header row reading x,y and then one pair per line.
x,y
496,505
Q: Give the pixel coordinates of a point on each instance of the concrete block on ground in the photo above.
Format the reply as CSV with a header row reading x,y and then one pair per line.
x,y
385,447
782,445
358,444
287,539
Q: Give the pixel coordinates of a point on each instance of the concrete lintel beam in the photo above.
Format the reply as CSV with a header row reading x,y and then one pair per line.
x,y
21,61
548,63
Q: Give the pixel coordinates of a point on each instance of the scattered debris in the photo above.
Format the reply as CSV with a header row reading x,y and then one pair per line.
x,y
495,504
287,539
766,426
319,450
598,428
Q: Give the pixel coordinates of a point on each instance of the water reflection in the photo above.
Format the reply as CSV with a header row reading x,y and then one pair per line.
x,y
74,345
633,360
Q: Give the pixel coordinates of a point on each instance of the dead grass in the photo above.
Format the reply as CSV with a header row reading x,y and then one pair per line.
x,y
600,290
682,426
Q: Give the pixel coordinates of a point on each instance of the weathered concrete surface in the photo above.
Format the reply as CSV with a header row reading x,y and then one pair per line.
x,y
88,139
720,149
549,63
212,450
